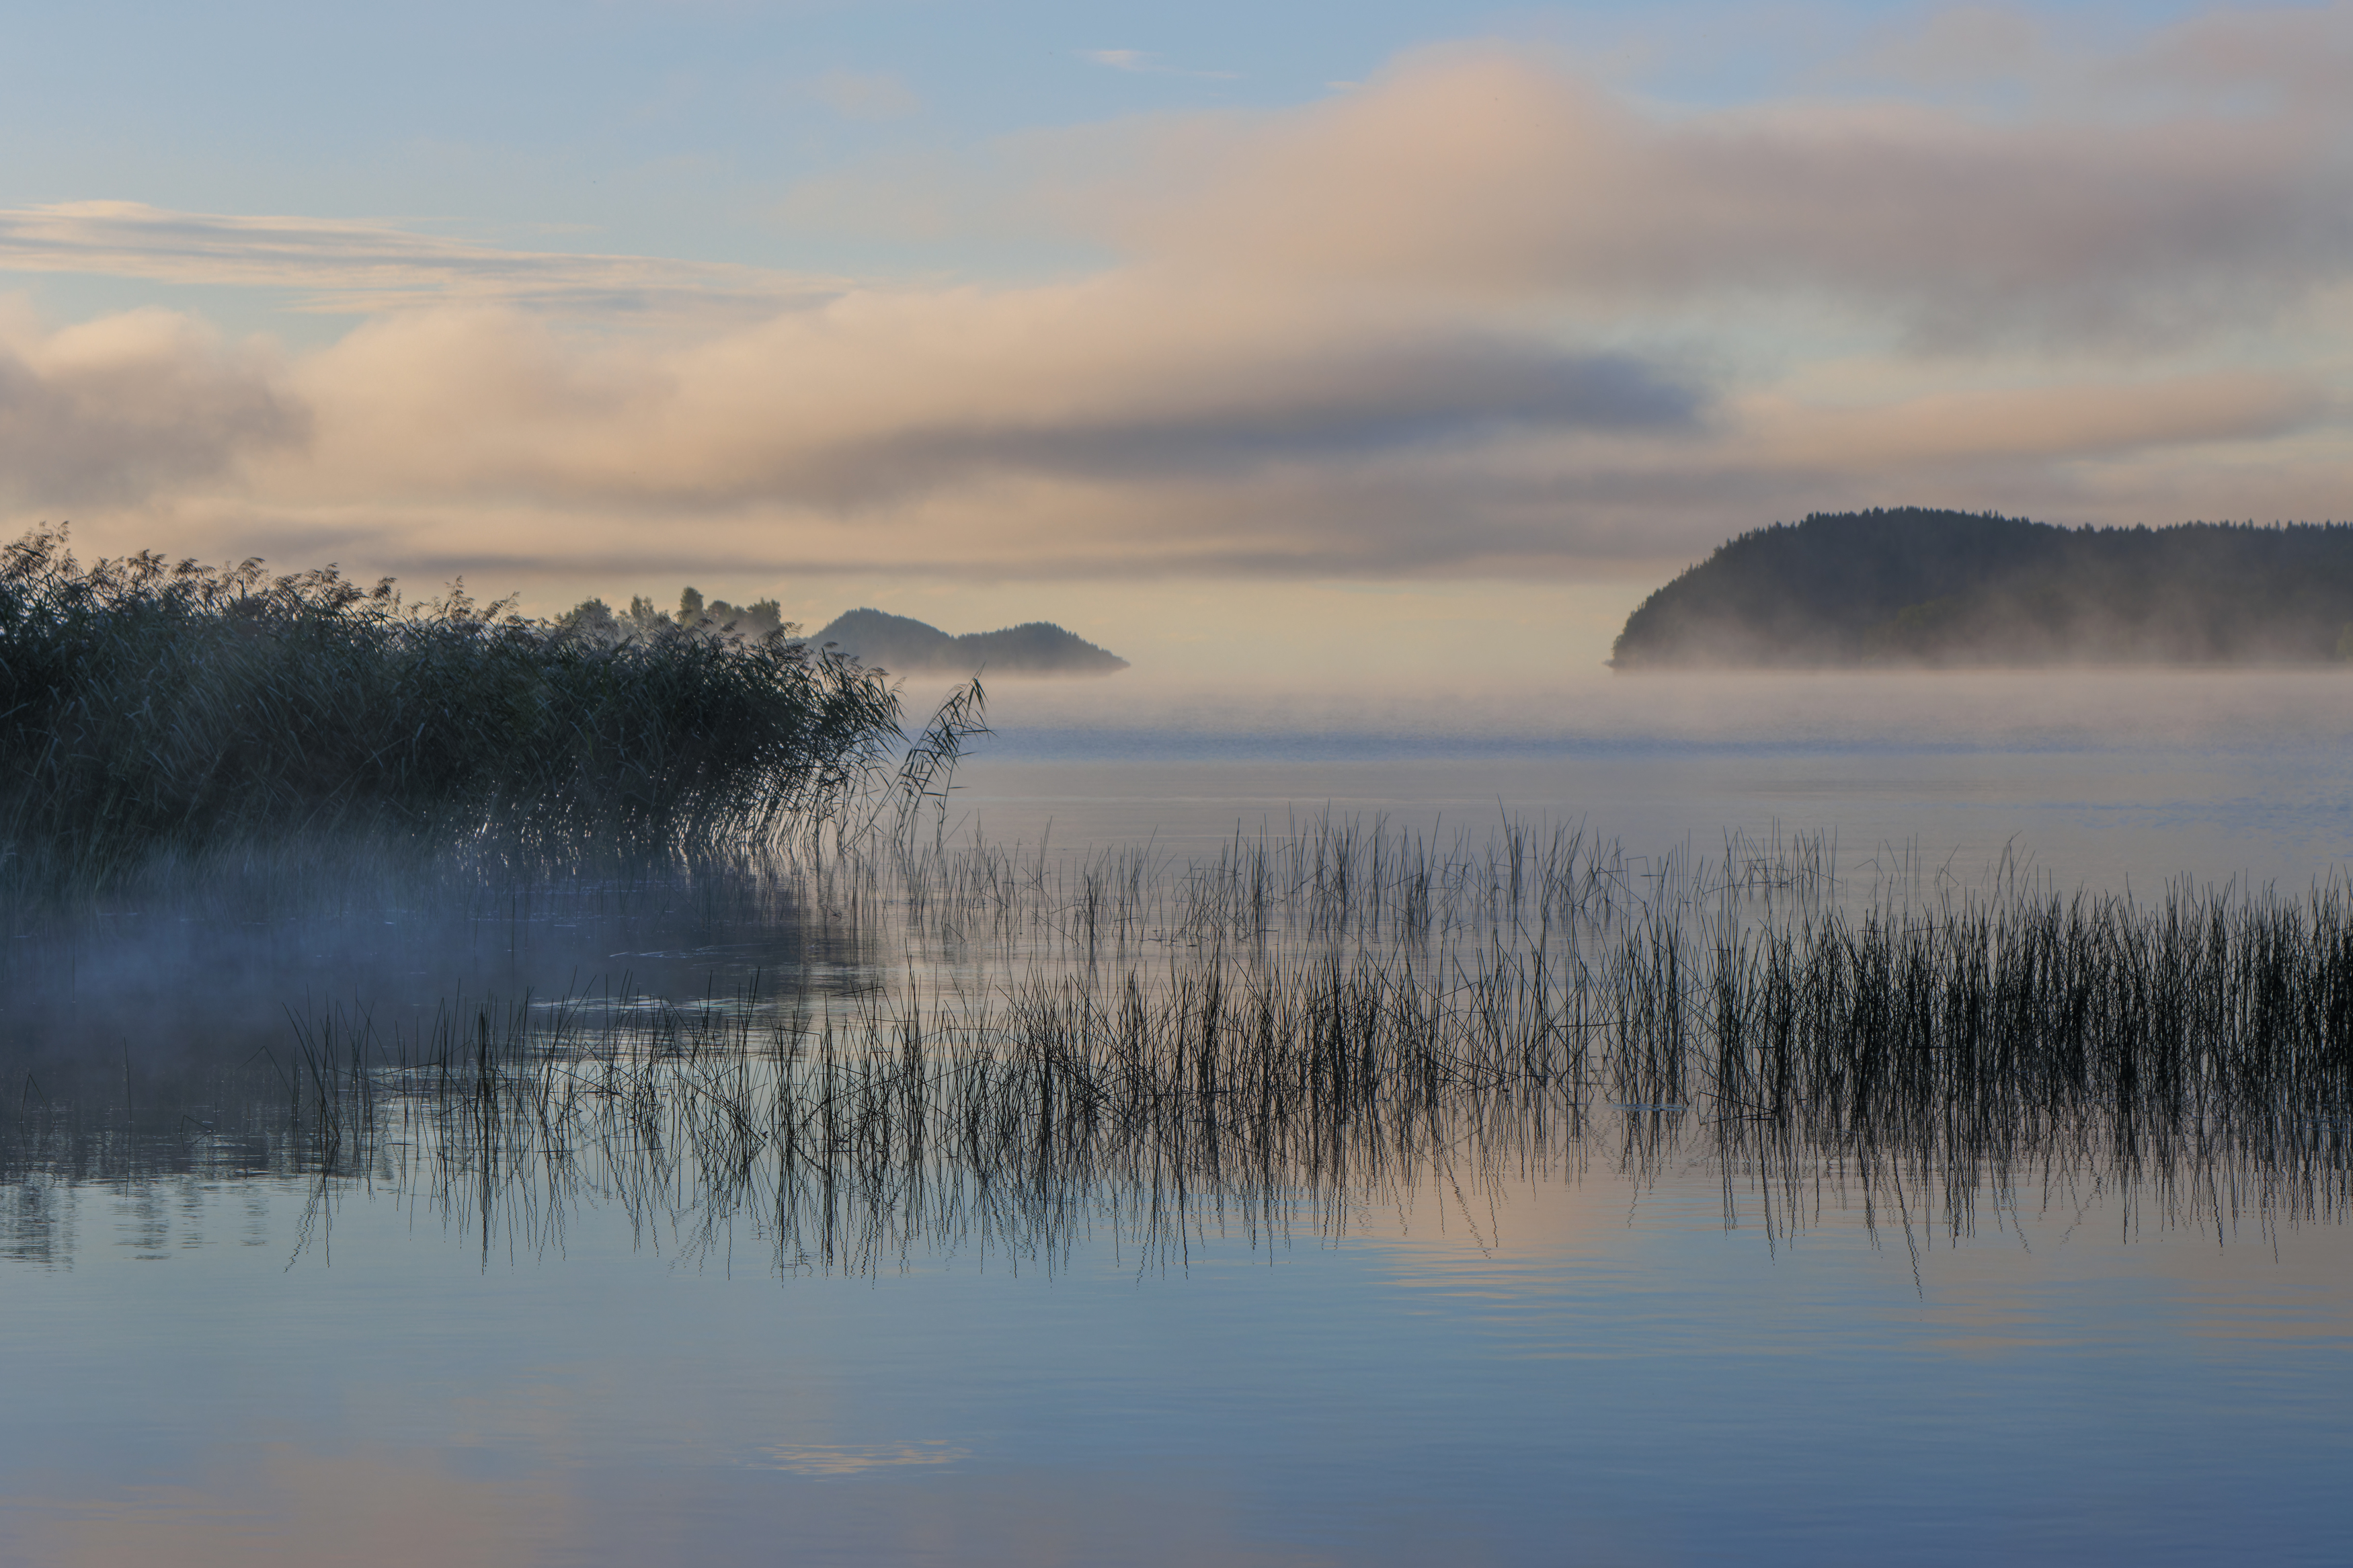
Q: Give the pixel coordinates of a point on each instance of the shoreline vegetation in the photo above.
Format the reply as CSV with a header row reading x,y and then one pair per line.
x,y
1919,588
152,710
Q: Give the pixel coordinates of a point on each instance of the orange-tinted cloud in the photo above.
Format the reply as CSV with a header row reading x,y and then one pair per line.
x,y
1487,171
132,407
881,395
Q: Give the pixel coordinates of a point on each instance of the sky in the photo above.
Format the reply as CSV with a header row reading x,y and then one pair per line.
x,y
1386,337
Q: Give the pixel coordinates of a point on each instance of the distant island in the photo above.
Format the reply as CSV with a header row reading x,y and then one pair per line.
x,y
1909,587
896,642
911,647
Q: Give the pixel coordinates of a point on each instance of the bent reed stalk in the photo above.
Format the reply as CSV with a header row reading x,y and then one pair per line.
x,y
1337,1016
151,709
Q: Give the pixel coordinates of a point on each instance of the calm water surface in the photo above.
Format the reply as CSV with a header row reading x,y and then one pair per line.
x,y
2100,777
1579,1362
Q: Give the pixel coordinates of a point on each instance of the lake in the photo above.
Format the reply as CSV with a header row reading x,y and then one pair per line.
x,y
786,1213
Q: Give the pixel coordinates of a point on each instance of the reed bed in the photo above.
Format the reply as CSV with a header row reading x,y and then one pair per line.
x,y
149,709
1339,1016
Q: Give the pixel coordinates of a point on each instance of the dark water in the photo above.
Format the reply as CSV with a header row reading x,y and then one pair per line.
x,y
234,1342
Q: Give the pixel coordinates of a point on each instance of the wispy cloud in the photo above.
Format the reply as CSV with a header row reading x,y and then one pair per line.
x,y
347,266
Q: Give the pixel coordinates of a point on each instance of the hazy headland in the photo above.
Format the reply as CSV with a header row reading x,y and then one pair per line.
x,y
1910,587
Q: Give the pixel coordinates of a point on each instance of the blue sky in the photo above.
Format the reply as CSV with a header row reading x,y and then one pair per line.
x,y
987,308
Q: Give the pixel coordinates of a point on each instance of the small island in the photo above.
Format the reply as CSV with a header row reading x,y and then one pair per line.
x,y
1914,587
910,647
879,641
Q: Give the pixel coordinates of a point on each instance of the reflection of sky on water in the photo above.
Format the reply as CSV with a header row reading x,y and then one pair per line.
x,y
1582,1362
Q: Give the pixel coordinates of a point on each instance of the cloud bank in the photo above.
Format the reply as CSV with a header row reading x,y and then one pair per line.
x,y
1479,175
1483,315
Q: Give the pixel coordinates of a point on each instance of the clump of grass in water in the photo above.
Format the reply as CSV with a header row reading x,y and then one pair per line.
x,y
1168,1048
150,708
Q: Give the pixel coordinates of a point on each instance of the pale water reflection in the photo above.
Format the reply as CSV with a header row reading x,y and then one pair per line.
x,y
1587,1369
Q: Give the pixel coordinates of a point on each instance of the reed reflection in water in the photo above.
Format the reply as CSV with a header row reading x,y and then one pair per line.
x,y
1265,1043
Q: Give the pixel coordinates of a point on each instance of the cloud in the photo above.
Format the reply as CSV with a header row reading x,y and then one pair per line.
x,y
347,266
882,397
2297,59
117,410
2038,422
1961,45
1487,173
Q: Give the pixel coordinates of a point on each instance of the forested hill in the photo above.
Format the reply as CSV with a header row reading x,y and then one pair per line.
x,y
908,645
1912,586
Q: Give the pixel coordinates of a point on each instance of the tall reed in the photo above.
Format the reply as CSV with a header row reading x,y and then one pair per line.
x,y
1311,1021
147,706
